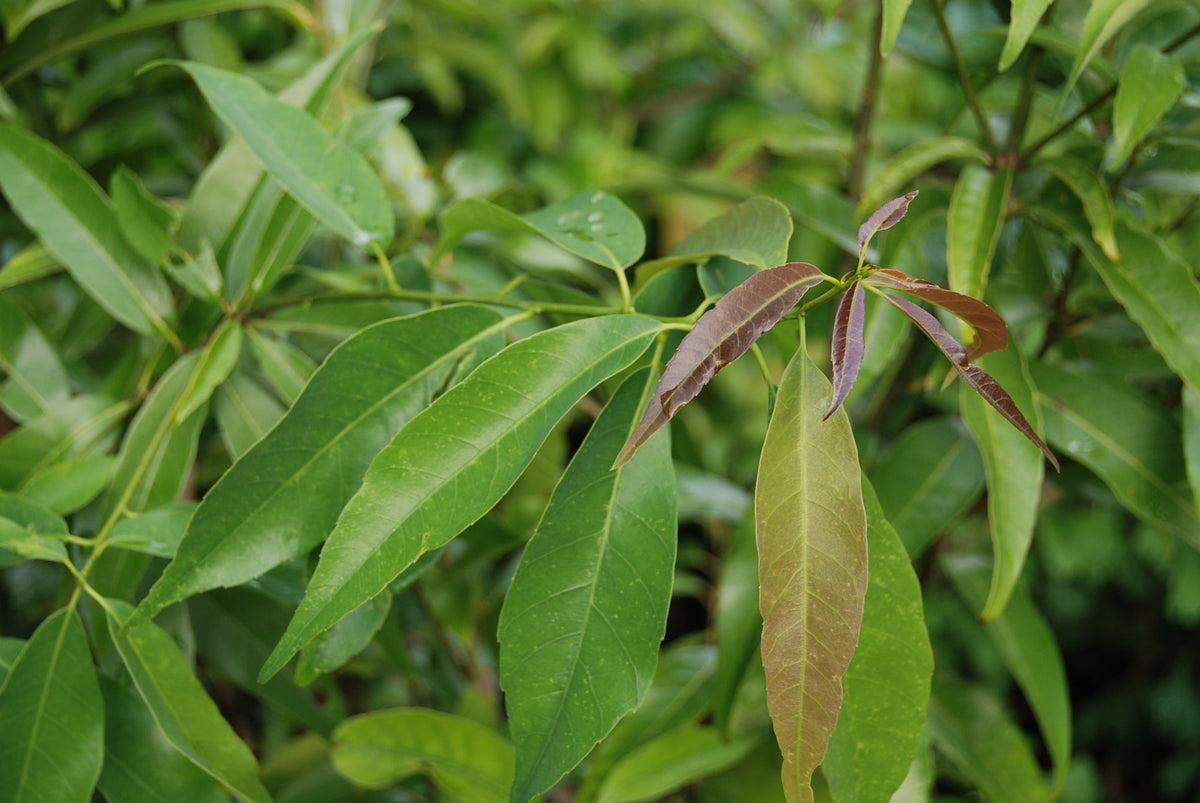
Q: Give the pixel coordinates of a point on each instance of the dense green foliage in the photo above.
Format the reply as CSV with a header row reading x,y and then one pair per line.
x,y
375,425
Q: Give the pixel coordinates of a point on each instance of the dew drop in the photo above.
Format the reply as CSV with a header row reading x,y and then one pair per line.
x,y
596,227
597,197
594,217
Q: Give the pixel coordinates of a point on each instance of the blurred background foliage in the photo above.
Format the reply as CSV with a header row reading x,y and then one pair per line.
x,y
682,109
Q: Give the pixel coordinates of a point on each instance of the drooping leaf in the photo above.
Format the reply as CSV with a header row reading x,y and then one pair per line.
x,y
671,761
145,222
991,332
894,12
1103,20
980,380
1014,475
722,334
977,210
585,613
52,741
335,183
848,345
1159,291
812,548
467,760
35,378
217,360
76,222
884,218
904,167
592,225
139,762
185,714
284,495
343,641
949,479
431,482
1026,644
971,728
886,687
1085,181
1024,19
755,232
1121,437
1150,84
738,622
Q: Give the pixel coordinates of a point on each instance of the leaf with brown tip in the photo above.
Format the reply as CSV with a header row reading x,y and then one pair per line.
x,y
848,346
976,377
991,333
883,218
722,334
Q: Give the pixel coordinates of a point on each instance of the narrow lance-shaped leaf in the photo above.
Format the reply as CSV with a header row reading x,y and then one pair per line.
x,y
973,227
884,218
585,613
1150,84
669,762
991,332
908,164
976,377
894,12
455,460
1104,19
1024,19
284,495
722,334
1088,185
52,739
848,346
812,548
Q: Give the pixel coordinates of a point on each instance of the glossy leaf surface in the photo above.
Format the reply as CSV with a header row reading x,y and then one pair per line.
x,y
1104,19
812,552
343,641
52,741
583,618
894,12
889,678
76,222
991,332
977,211
156,532
187,716
1022,23
467,760
333,182
145,222
433,480
848,346
722,334
755,232
673,760
592,225
900,171
1150,84
1088,185
36,379
884,218
285,494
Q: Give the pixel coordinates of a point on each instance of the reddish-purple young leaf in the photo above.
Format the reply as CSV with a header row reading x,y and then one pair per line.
x,y
991,333
722,334
884,217
976,377
848,346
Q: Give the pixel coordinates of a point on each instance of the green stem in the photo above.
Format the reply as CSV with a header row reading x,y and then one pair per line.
x,y
386,265
840,285
1020,117
965,79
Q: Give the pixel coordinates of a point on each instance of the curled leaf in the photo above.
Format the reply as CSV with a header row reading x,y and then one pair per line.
x,y
991,333
848,346
722,334
883,218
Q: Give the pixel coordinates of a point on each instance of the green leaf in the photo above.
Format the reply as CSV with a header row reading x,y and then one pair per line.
x,y
467,760
199,274
286,367
266,242
140,765
583,618
76,222
31,263
36,378
900,171
1085,181
1014,470
185,714
738,622
1023,21
1149,85
1026,644
812,553
1104,19
52,742
977,211
145,222
1158,290
894,12
343,641
156,532
335,183
30,516
18,14
1191,439
10,650
592,225
245,413
970,727
284,495
73,426
67,486
29,545
886,687
217,360
431,482
926,479
671,761
1123,438
755,232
